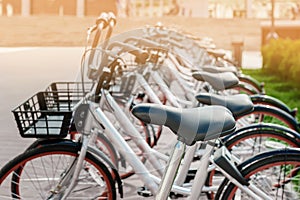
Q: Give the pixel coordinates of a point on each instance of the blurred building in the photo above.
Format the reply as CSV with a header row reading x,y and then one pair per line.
x,y
213,8
123,8
56,7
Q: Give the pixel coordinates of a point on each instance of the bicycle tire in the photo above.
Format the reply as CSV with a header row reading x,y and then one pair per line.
x,y
255,131
19,171
281,116
155,129
265,161
251,81
267,136
247,89
124,169
102,143
110,150
271,101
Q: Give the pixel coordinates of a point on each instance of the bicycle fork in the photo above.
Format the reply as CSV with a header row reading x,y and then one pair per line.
x,y
83,121
77,167
68,181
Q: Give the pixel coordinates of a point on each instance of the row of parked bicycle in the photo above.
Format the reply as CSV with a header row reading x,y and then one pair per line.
x,y
231,140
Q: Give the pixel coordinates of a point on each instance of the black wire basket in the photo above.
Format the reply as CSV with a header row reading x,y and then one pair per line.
x,y
48,114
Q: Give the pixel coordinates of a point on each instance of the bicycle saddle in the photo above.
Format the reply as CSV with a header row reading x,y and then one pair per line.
x,y
191,125
217,53
216,69
239,104
219,81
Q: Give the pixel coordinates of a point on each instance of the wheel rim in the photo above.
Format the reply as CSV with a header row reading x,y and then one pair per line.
x,y
273,180
33,178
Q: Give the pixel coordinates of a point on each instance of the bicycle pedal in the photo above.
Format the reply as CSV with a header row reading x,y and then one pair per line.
x,y
144,192
174,195
196,158
190,175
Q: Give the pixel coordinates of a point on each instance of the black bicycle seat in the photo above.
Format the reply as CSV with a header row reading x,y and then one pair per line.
x,y
239,104
191,125
219,81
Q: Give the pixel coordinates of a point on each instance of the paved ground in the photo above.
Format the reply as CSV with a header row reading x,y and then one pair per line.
x,y
25,71
71,31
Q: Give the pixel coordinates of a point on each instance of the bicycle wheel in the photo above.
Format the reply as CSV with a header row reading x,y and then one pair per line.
x,y
246,79
244,89
276,173
36,173
124,168
271,101
154,131
269,114
104,145
258,138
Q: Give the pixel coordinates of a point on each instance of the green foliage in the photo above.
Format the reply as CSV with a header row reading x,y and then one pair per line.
x,y
286,91
282,58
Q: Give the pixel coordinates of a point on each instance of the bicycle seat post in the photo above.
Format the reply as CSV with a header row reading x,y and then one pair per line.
x,y
170,171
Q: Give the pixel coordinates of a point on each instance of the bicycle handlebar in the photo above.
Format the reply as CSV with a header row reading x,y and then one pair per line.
x,y
112,19
102,20
147,43
140,54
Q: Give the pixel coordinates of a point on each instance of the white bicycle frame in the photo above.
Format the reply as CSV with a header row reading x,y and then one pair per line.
x,y
149,179
191,151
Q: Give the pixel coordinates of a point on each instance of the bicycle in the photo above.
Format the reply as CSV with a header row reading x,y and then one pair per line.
x,y
147,112
67,178
247,84
257,99
112,129
139,167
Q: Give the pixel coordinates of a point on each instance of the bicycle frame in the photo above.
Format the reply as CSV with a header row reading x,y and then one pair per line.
x,y
122,147
150,153
122,118
131,158
145,175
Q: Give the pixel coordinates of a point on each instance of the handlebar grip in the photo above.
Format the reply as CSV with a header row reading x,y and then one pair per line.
x,y
112,19
102,20
140,54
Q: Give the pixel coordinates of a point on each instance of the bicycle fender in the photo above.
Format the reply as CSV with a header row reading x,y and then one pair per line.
x,y
116,174
254,82
265,155
263,127
47,141
245,88
259,98
276,111
268,155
